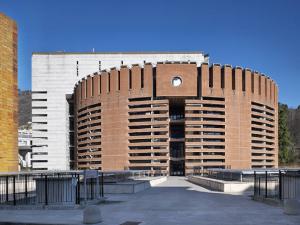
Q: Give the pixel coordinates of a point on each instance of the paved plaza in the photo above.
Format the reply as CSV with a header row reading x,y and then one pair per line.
x,y
175,201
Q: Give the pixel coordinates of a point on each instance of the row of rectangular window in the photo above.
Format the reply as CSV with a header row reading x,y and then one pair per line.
x,y
211,82
109,83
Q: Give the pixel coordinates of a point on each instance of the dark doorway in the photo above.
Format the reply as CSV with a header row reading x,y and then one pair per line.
x,y
177,165
177,136
177,168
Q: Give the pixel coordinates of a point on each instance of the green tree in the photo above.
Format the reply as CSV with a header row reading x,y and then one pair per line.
x,y
286,145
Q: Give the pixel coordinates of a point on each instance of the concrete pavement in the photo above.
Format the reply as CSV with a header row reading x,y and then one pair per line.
x,y
175,201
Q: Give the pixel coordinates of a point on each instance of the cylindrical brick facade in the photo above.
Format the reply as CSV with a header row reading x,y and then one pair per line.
x,y
8,95
177,118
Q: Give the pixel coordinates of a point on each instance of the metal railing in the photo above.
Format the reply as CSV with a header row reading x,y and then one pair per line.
x,y
49,188
246,175
283,185
62,188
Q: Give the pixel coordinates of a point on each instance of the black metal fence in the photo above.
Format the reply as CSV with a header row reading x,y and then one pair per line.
x,y
49,188
282,185
244,175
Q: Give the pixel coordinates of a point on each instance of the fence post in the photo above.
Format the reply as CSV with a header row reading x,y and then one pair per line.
x,y
7,189
85,187
14,189
78,190
92,188
280,185
58,189
254,183
258,185
26,188
46,190
266,185
97,186
102,185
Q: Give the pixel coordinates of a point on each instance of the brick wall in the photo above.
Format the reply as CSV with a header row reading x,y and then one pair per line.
x,y
8,95
230,117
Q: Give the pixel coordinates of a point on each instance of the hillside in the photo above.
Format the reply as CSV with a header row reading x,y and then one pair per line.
x,y
294,126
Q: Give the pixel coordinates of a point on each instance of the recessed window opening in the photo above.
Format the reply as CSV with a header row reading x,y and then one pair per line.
x,y
130,79
119,82
223,78
39,92
211,81
233,79
244,80
99,84
108,82
142,78
92,87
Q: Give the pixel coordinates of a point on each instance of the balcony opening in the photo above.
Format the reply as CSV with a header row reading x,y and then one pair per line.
x,y
177,136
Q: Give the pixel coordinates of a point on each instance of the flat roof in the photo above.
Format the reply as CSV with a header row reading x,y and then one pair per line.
x,y
137,52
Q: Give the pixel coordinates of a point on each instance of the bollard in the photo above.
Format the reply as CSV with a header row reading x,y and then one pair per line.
x,y
291,206
92,214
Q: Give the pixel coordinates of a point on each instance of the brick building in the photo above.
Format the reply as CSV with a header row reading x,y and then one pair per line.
x,y
8,95
54,75
176,117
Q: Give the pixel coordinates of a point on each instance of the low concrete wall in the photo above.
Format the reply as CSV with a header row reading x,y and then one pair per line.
x,y
132,186
157,181
222,186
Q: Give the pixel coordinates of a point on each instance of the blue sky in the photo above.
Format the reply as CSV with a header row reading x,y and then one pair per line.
x,y
263,35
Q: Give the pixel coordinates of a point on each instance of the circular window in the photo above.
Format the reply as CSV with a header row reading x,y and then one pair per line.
x,y
176,81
